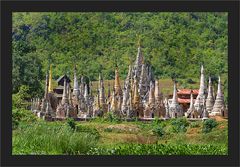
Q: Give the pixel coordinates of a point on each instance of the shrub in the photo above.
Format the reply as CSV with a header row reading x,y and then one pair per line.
x,y
156,122
71,123
111,117
22,115
20,99
179,125
208,125
194,125
158,131
190,81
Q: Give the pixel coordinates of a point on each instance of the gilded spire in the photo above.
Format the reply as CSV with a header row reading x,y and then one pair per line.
x,y
46,87
117,85
50,88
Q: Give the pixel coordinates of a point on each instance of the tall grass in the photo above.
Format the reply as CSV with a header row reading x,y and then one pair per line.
x,y
51,139
161,149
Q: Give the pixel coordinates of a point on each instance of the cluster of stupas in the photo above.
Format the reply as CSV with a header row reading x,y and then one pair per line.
x,y
140,97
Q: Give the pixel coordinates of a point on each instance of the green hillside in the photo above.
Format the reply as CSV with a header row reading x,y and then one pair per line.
x,y
174,43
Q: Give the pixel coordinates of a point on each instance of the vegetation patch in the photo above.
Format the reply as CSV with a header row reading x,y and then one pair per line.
x,y
179,125
208,125
160,149
51,138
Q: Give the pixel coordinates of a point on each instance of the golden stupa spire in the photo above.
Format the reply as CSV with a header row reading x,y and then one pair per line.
x,y
117,85
50,88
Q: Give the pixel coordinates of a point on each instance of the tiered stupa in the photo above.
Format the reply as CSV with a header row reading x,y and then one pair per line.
x,y
175,110
210,98
218,107
201,94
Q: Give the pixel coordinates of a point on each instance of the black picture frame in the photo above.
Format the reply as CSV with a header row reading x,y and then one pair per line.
x,y
7,7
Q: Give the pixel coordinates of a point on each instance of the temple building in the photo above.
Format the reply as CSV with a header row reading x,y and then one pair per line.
x,y
139,97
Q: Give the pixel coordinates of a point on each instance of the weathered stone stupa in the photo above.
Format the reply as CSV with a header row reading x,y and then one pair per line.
x,y
210,98
201,94
65,109
192,112
159,105
205,112
218,107
175,110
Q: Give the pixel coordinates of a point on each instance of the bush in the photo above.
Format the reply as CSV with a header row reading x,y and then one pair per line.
x,y
22,115
158,131
190,81
71,123
208,125
179,125
156,122
111,117
20,99
194,125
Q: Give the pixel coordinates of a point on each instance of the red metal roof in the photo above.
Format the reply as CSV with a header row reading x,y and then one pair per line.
x,y
185,100
187,91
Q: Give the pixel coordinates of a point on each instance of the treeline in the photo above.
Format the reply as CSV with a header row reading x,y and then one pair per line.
x,y
176,44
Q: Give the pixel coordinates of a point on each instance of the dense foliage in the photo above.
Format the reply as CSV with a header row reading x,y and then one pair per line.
x,y
208,125
175,44
179,125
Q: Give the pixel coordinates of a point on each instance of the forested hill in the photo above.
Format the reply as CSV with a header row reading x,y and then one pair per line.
x,y
174,43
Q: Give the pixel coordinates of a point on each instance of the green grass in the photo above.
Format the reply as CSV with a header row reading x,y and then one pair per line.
x,y
103,135
160,149
51,139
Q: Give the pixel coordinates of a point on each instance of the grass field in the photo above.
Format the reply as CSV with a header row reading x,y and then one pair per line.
x,y
105,136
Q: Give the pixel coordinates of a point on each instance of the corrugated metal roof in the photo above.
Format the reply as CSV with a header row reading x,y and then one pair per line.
x,y
185,100
188,91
